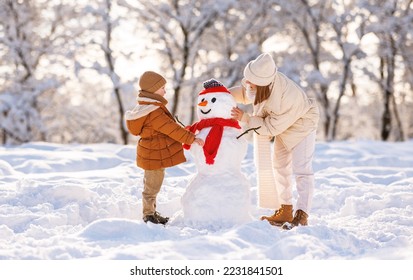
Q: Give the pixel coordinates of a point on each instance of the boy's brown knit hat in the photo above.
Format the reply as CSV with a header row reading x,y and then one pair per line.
x,y
151,81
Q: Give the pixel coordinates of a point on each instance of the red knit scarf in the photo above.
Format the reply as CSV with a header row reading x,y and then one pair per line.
x,y
213,139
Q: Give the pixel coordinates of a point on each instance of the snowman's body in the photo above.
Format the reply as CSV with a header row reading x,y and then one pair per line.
x,y
218,194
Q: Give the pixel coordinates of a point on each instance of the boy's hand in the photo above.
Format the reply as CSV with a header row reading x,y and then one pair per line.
x,y
199,141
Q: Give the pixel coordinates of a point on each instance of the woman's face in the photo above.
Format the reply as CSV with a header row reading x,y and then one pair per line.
x,y
250,90
251,85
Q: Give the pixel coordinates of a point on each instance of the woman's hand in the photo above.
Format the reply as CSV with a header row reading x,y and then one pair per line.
x,y
199,141
237,113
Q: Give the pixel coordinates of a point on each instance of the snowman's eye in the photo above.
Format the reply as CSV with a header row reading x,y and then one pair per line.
x,y
213,100
203,99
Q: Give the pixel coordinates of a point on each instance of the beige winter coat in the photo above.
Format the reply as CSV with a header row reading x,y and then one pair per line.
x,y
288,113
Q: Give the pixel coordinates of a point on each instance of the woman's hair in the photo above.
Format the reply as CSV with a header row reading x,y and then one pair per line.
x,y
263,93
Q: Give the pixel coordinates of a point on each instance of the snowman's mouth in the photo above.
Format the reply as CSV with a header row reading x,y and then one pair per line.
x,y
205,112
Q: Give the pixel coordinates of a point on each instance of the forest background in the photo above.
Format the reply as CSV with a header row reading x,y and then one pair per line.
x,y
69,69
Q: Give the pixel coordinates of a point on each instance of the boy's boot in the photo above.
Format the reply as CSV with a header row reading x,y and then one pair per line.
x,y
300,218
155,218
281,216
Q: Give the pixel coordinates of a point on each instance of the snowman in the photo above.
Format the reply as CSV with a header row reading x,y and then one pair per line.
x,y
218,194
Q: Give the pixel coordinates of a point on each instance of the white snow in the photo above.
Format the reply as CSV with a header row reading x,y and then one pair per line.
x,y
84,202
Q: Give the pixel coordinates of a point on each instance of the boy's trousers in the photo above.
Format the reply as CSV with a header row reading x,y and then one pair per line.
x,y
152,182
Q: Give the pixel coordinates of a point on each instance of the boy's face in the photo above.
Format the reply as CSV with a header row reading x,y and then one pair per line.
x,y
161,91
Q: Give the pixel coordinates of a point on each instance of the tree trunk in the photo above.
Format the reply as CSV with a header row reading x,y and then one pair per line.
x,y
340,96
400,130
386,117
389,64
181,77
116,90
326,106
4,136
123,132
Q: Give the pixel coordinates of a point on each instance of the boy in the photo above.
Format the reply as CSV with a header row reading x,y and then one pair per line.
x,y
160,143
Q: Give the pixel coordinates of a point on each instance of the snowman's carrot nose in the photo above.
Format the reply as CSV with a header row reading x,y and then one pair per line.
x,y
203,103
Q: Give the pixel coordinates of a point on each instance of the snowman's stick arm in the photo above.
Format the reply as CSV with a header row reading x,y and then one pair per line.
x,y
248,130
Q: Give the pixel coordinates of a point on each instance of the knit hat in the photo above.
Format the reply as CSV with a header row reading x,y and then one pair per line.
x,y
261,71
151,81
213,85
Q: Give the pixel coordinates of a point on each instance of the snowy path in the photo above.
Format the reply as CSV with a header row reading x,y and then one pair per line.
x,y
83,201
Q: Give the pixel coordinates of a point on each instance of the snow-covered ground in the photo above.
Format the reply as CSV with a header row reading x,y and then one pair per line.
x,y
84,201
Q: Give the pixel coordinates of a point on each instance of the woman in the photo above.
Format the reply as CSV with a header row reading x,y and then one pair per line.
x,y
281,110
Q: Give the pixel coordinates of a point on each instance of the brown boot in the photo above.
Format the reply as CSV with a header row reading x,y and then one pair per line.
x,y
281,216
300,218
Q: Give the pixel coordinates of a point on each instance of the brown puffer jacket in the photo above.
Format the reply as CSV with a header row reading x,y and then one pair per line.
x,y
161,138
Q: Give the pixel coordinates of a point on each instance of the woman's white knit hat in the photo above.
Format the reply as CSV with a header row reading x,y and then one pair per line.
x,y
261,71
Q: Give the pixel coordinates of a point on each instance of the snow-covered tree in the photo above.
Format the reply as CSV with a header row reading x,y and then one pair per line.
x,y
349,45
67,68
100,51
198,40
392,23
174,28
236,37
306,22
32,40
326,40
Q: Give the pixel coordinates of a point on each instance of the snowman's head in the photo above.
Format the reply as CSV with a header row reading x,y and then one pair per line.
x,y
215,101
